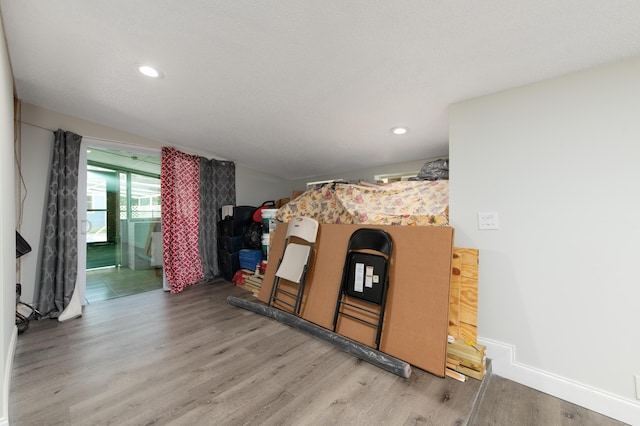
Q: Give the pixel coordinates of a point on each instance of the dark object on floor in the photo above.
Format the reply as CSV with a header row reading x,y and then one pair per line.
x,y
231,230
22,320
363,352
229,263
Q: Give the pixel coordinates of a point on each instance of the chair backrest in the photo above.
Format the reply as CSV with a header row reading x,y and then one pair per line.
x,y
371,239
303,227
294,262
355,279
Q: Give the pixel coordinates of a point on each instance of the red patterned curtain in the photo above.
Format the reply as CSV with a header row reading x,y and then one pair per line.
x,y
180,218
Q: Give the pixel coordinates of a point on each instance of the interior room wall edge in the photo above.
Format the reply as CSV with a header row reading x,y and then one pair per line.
x,y
7,228
551,283
504,363
6,383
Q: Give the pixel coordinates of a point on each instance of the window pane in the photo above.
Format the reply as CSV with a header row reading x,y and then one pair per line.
x,y
98,231
145,191
96,191
123,196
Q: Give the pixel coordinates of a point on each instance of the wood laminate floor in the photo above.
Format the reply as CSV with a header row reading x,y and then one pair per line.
x,y
193,359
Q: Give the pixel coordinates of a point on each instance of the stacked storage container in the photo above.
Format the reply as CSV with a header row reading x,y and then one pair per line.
x,y
230,239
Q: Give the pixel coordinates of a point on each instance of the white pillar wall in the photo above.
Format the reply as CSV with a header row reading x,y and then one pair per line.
x,y
558,293
8,329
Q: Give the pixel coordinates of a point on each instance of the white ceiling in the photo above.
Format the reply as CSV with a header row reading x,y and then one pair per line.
x,y
300,88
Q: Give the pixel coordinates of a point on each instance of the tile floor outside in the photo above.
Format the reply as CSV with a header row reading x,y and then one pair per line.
x,y
112,282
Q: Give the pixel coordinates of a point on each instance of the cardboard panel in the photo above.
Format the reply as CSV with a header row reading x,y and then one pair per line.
x,y
415,325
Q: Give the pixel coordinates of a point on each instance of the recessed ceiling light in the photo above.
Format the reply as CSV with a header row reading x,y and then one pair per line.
x,y
149,71
399,130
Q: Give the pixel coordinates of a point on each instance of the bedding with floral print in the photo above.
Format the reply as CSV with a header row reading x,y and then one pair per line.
x,y
412,203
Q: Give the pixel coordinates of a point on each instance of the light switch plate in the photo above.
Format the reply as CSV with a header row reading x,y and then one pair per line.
x,y
488,220
638,386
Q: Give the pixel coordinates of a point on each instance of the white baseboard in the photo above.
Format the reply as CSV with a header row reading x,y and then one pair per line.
x,y
504,363
8,370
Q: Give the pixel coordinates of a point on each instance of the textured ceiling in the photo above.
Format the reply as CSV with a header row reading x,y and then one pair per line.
x,y
300,88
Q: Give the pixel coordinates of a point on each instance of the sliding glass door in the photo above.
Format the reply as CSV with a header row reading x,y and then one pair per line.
x,y
102,217
120,238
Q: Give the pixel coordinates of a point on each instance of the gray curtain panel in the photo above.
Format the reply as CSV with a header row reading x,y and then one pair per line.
x,y
217,188
60,246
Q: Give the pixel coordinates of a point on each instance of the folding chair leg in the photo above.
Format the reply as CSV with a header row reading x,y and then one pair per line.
x,y
383,306
274,290
297,297
337,312
298,305
301,287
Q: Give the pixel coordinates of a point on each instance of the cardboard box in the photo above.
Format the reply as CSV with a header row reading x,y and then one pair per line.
x,y
281,202
416,318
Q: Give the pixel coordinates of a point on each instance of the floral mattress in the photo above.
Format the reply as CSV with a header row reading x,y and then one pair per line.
x,y
413,203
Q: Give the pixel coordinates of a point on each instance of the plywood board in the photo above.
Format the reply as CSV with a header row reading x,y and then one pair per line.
x,y
463,296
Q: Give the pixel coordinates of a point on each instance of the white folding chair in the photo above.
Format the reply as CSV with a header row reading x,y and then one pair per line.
x,y
293,265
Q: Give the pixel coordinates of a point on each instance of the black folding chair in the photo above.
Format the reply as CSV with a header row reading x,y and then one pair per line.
x,y
365,277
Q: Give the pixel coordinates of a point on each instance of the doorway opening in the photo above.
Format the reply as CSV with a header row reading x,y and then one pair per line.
x,y
123,224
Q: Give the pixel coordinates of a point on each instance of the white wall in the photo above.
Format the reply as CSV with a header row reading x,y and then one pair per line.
x,y
559,296
7,230
252,187
36,152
